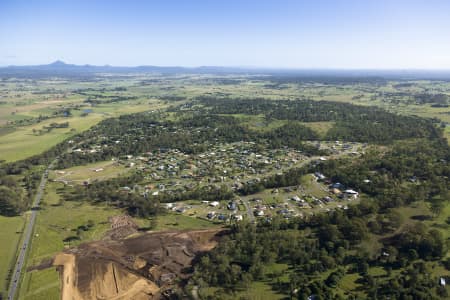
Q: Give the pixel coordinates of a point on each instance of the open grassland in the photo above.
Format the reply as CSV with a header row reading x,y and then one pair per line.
x,y
320,128
257,290
57,221
41,285
420,212
91,172
9,240
23,142
171,221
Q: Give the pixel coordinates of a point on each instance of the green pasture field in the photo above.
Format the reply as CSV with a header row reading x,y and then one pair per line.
x,y
172,221
56,221
23,142
9,239
79,174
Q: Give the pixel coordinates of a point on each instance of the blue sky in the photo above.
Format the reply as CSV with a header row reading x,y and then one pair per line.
x,y
351,34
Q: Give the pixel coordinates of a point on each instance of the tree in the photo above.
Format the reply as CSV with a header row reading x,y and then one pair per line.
x,y
436,207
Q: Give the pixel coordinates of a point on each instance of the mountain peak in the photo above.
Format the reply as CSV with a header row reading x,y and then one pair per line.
x,y
58,63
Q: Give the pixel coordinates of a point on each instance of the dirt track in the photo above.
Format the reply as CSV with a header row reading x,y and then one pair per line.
x,y
141,267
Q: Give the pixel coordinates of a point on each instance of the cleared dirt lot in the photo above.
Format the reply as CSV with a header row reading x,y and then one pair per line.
x,y
146,266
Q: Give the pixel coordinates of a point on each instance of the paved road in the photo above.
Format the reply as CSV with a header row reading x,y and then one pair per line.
x,y
250,214
27,237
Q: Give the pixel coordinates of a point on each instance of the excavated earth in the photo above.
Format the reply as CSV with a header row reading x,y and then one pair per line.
x,y
145,266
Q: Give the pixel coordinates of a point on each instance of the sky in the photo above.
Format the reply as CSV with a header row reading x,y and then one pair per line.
x,y
294,34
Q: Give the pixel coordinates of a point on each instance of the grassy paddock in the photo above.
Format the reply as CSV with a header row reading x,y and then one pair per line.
x,y
56,221
23,143
9,240
172,221
87,172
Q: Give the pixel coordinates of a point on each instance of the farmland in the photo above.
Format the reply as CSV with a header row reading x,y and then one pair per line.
x,y
10,238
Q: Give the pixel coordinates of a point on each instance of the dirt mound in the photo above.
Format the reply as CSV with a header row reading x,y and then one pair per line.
x,y
141,267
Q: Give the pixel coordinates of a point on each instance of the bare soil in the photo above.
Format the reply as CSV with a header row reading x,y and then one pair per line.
x,y
140,267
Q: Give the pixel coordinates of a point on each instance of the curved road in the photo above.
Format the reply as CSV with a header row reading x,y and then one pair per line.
x,y
27,237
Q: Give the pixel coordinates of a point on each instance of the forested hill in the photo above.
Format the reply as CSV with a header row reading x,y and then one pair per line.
x,y
353,122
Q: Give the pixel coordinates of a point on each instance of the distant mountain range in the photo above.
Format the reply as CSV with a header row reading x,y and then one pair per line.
x,y
60,68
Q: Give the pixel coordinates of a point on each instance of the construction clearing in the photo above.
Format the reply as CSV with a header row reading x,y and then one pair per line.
x,y
147,266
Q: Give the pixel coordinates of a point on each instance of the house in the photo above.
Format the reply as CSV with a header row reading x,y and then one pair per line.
x,y
181,210
336,191
238,217
222,217
232,205
351,193
328,199
337,185
283,212
296,199
259,213
214,204
319,176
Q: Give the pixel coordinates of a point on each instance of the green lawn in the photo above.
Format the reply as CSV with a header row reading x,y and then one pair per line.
x,y
9,239
313,187
348,282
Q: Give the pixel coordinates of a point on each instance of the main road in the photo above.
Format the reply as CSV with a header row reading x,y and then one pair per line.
x,y
28,233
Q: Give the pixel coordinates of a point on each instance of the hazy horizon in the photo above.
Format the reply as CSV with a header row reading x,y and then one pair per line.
x,y
322,35
256,68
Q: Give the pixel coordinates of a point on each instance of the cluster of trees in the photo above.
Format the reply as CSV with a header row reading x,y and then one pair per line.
x,y
324,243
110,192
46,129
441,99
194,128
290,177
206,193
17,192
353,122
190,133
408,171
12,198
